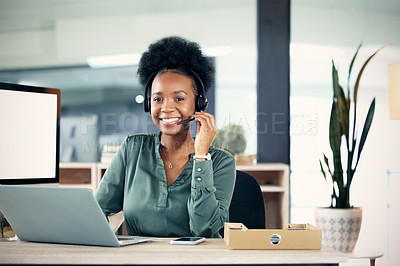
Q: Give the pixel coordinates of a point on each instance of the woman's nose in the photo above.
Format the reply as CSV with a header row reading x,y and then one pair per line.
x,y
167,106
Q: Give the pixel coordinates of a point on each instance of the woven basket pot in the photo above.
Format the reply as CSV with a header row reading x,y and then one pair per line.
x,y
340,227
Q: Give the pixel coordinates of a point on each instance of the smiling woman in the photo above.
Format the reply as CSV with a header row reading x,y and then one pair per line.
x,y
169,183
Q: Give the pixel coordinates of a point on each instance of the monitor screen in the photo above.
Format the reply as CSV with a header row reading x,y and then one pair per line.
x,y
29,135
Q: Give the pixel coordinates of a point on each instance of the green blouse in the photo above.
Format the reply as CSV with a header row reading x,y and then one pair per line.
x,y
196,204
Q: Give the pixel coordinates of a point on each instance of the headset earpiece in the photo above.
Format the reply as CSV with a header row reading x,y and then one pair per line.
x,y
201,103
147,104
147,98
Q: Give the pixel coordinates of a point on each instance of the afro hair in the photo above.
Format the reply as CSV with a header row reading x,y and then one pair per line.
x,y
172,53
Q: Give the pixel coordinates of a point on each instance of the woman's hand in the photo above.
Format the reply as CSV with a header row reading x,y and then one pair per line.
x,y
206,131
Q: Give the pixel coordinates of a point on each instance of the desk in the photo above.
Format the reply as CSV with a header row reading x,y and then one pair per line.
x,y
372,255
159,252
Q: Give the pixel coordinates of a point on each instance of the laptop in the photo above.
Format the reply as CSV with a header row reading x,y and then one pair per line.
x,y
59,215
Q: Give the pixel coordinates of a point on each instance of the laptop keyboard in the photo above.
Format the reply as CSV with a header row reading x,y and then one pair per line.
x,y
122,238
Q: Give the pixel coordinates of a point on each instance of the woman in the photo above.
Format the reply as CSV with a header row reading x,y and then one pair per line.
x,y
169,184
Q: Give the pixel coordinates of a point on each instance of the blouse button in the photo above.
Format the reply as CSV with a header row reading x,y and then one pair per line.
x,y
199,179
199,169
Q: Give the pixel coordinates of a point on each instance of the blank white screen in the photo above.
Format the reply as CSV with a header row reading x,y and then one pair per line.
x,y
28,134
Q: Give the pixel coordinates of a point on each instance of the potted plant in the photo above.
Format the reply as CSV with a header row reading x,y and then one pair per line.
x,y
341,222
232,138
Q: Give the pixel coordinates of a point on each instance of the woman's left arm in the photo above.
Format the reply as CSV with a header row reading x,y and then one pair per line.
x,y
212,187
212,184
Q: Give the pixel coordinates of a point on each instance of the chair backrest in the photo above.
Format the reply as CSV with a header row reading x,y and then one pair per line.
x,y
247,205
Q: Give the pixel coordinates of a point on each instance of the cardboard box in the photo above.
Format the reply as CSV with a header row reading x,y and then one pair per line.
x,y
295,236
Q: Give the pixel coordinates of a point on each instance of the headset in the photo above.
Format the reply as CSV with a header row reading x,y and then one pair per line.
x,y
201,101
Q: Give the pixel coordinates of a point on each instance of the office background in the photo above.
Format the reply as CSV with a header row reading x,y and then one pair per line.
x,y
49,43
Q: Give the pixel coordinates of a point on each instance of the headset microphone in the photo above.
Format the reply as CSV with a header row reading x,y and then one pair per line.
x,y
186,121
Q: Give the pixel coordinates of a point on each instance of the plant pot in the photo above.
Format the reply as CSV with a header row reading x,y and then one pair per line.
x,y
340,227
5,228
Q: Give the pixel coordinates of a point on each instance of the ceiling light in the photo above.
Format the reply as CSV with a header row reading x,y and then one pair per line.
x,y
217,51
118,60
139,98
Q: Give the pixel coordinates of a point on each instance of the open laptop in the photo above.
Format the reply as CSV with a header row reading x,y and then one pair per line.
x,y
59,215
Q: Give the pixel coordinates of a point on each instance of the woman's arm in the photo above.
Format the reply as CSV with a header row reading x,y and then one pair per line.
x,y
110,192
211,193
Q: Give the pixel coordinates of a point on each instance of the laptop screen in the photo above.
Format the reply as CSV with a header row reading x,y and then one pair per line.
x,y
29,138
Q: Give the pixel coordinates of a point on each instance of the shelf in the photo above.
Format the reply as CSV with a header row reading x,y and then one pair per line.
x,y
77,165
79,175
264,167
266,188
274,182
90,187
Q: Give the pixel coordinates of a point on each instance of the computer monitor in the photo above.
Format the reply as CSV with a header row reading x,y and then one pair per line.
x,y
29,135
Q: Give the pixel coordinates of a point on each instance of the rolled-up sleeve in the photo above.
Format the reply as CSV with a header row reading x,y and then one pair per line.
x,y
212,187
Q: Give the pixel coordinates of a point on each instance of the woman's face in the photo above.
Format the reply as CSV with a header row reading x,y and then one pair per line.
x,y
172,100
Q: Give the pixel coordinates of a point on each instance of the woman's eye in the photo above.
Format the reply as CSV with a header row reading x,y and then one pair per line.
x,y
157,99
178,99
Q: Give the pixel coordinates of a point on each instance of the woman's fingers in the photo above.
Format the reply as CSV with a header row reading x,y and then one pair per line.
x,y
207,121
206,131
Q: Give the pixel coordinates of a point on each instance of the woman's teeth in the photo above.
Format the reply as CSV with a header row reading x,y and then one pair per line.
x,y
169,120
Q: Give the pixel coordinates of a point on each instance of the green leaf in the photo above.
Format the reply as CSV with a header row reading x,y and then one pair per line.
x,y
361,72
351,64
350,156
327,164
334,128
335,139
339,96
322,170
367,126
335,81
344,114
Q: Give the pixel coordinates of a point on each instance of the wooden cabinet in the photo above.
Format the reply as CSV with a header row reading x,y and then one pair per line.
x,y
79,175
274,182
101,169
272,177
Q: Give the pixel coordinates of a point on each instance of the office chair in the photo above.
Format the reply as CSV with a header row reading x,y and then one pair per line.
x,y
247,205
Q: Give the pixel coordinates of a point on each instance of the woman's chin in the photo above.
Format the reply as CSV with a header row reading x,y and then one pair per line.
x,y
173,129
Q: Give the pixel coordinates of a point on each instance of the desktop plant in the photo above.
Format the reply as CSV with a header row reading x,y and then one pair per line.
x,y
231,138
346,149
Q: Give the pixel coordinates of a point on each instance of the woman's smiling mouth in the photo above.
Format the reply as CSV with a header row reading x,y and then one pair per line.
x,y
169,121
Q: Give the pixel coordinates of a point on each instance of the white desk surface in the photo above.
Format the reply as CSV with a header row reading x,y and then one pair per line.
x,y
365,254
158,251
